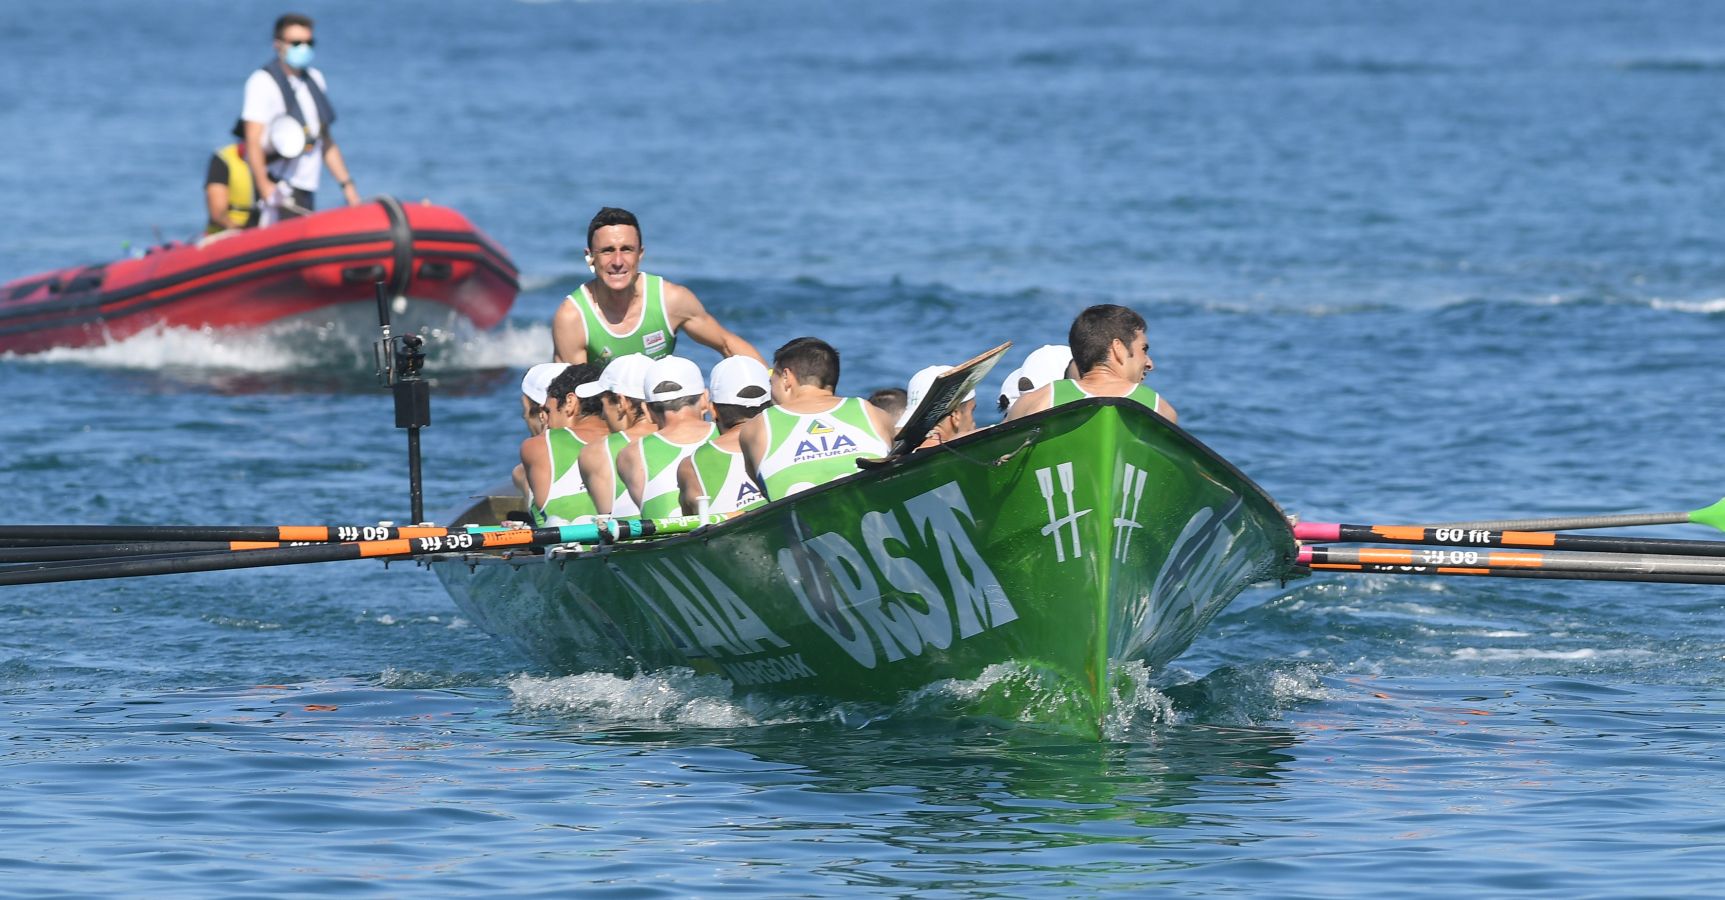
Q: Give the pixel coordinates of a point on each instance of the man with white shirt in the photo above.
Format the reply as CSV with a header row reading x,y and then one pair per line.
x,y
288,86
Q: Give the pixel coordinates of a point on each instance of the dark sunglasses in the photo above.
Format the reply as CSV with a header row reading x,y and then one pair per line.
x,y
309,42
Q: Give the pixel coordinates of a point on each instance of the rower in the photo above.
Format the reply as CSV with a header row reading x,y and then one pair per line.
x,y
1112,355
623,310
1044,366
740,389
622,391
810,435
549,459
533,387
891,400
960,421
677,404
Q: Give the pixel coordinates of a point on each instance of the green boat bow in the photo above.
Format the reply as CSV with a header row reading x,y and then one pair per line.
x,y
1067,543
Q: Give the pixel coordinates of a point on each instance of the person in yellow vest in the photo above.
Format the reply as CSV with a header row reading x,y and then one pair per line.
x,y
677,402
1112,356
230,197
624,310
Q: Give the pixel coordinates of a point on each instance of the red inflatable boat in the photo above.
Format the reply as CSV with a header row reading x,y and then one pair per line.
x,y
442,265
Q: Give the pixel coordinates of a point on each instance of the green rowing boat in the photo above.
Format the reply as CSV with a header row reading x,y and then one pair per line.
x,y
1065,543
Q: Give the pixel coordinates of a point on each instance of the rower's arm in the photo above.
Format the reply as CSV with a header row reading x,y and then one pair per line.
x,y
595,465
536,459
884,423
752,440
1034,402
568,335
1167,409
688,487
633,472
684,310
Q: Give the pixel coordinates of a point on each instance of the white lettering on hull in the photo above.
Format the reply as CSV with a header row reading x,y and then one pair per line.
x,y
768,671
839,590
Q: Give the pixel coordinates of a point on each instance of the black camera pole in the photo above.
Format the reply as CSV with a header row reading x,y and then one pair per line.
x,y
399,359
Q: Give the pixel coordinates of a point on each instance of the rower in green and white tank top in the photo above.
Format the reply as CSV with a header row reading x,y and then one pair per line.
x,y
659,459
806,449
568,496
652,335
622,505
1066,391
724,479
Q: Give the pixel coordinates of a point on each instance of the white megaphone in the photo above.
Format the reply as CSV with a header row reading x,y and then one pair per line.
x,y
287,137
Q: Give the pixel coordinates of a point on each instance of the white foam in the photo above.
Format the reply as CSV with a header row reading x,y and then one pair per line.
x,y
1509,654
674,696
160,348
1703,307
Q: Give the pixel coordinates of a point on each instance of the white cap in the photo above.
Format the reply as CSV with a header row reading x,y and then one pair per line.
x,y
1009,387
1045,365
919,385
733,374
671,378
537,382
626,375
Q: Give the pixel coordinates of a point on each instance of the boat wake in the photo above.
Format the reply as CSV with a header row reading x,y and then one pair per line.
x,y
334,350
1006,692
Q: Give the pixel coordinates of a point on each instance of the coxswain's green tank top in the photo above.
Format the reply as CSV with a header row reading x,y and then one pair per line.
x,y
659,459
1066,391
806,449
652,335
569,498
724,480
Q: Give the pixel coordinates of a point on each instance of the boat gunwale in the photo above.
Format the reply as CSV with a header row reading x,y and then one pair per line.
x,y
879,470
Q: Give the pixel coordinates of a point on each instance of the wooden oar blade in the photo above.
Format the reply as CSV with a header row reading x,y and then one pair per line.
x,y
943,395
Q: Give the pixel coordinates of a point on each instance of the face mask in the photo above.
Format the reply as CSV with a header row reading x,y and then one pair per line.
x,y
298,56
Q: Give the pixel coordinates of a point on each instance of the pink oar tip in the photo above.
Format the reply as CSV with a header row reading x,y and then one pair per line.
x,y
1305,558
1318,531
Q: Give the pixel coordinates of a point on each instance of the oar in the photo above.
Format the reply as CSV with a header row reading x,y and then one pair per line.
x,y
1712,516
1473,537
318,533
145,548
615,530
1632,563
1378,568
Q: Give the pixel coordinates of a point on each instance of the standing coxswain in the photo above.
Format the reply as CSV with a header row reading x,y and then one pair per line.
x,y
624,310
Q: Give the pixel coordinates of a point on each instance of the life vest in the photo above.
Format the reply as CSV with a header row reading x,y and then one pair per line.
x,y
325,112
242,193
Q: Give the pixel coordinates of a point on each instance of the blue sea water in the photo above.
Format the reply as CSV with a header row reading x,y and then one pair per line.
x,y
1402,261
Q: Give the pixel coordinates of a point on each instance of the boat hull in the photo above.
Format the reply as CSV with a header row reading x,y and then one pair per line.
x,y
1065,543
298,268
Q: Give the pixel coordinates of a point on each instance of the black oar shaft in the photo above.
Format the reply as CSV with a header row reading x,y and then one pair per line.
x,y
1479,537
143,548
1622,520
1633,563
1378,568
315,533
